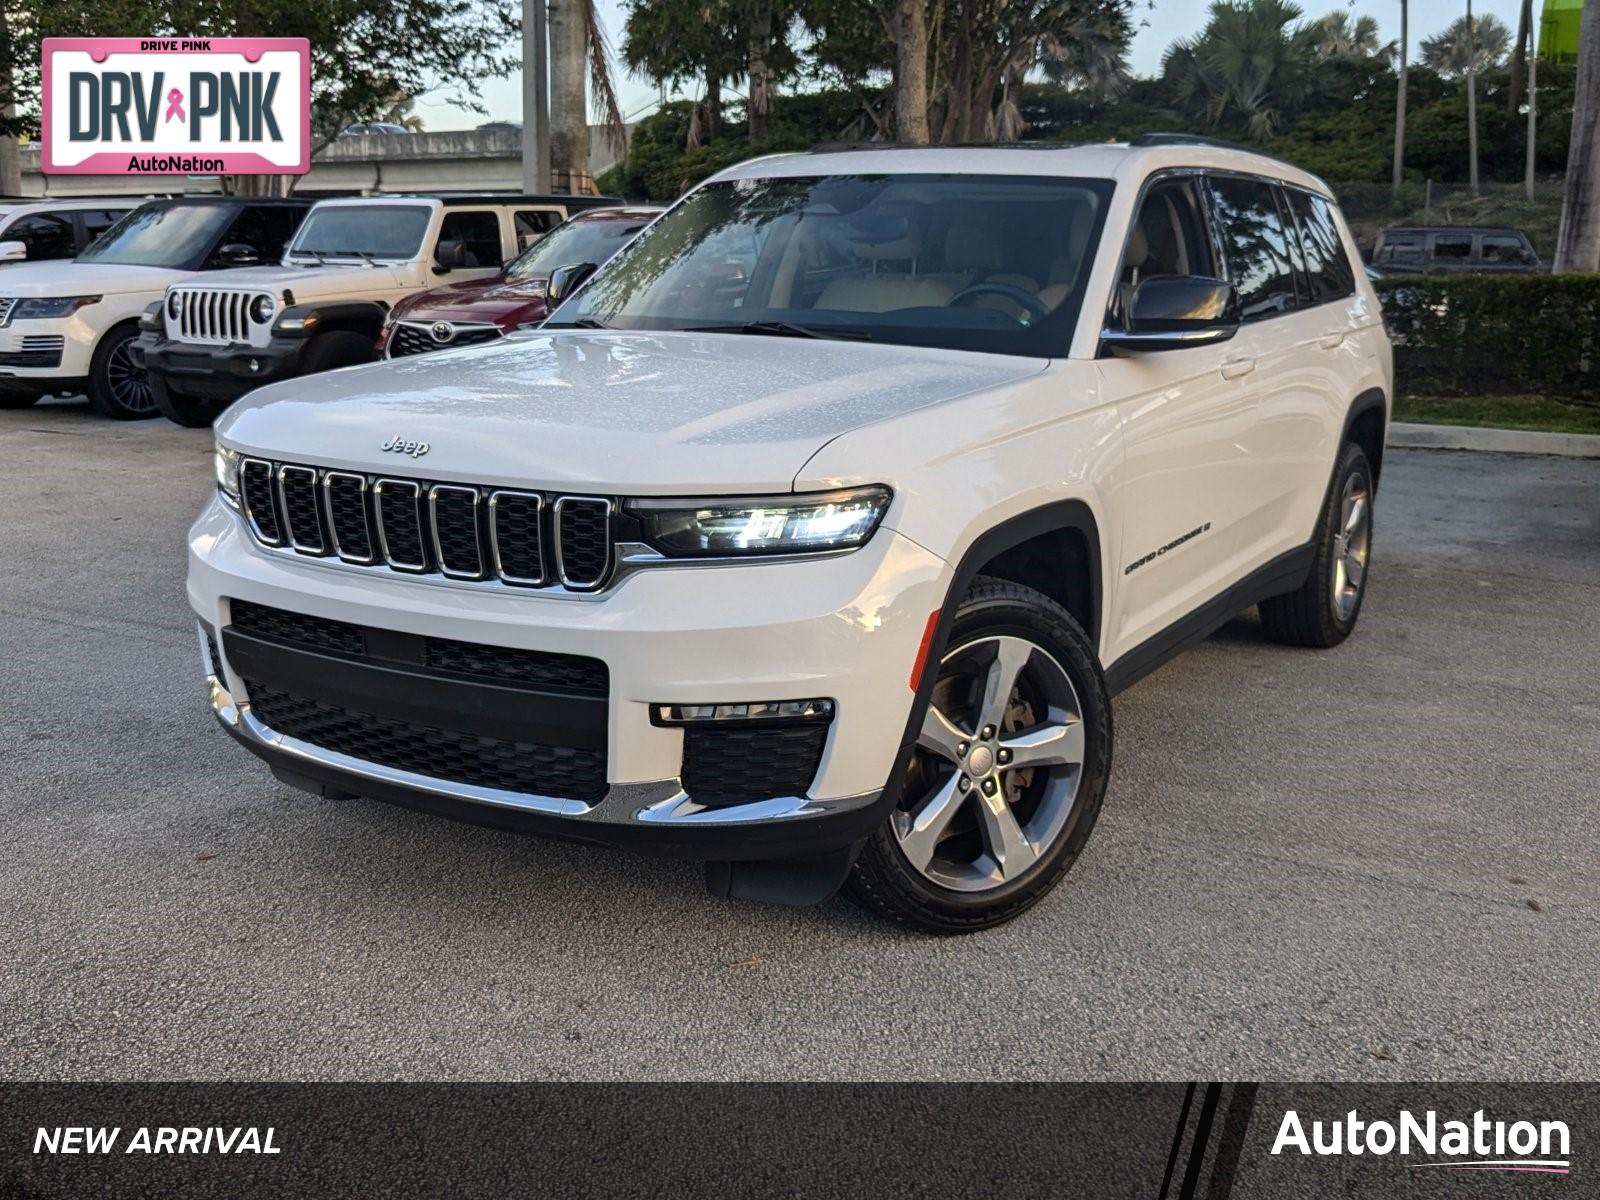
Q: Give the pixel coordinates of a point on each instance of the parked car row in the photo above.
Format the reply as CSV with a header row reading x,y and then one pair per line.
x,y
180,306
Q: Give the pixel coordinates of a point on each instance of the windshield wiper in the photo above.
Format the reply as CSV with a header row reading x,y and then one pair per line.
x,y
784,329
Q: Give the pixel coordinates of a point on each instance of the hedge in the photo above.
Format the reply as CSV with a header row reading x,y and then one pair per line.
x,y
1475,335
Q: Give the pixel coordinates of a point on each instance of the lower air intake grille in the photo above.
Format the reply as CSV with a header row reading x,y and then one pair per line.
x,y
738,766
558,771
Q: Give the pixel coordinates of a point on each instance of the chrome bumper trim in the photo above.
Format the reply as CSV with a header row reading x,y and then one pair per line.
x,y
662,803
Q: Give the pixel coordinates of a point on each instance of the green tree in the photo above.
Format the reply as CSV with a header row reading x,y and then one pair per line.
x,y
1340,37
1250,70
1450,52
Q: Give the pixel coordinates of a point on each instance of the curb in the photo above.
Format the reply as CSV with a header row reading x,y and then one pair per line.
x,y
1497,441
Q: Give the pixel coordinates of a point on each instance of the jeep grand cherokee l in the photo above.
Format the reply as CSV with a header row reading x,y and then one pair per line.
x,y
814,535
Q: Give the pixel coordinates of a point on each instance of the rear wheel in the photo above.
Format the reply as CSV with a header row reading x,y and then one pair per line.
x,y
1008,774
337,348
1323,610
119,388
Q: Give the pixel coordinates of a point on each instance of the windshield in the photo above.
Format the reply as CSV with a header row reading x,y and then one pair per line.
x,y
583,240
393,231
970,262
161,235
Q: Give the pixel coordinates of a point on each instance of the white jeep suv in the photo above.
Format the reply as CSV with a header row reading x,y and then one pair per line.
x,y
814,535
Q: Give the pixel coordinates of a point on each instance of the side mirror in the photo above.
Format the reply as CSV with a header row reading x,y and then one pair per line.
x,y
1172,312
448,256
237,254
13,252
566,280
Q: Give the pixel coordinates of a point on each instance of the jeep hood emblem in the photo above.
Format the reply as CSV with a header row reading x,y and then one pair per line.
x,y
399,445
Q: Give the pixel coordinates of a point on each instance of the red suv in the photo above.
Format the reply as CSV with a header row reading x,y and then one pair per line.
x,y
485,310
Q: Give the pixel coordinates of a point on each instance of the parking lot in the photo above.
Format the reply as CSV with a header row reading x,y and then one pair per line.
x,y
1376,862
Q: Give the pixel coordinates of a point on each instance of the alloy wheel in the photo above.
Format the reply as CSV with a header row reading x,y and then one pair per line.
x,y
997,769
129,384
1352,545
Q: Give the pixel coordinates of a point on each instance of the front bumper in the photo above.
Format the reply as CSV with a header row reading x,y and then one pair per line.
x,y
218,372
845,628
45,357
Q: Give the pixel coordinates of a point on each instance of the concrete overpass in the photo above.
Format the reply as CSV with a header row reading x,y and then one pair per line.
x,y
469,160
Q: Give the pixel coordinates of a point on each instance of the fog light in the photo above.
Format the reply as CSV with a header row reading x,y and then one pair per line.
x,y
255,365
728,714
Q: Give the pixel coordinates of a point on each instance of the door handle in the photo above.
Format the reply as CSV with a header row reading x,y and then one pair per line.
x,y
1234,368
1331,341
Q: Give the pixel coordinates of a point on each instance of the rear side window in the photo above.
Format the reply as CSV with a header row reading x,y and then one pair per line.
x,y
1255,245
1452,247
533,223
478,233
1502,248
1328,268
46,235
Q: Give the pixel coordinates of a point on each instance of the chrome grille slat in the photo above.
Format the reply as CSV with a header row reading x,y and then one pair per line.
x,y
459,531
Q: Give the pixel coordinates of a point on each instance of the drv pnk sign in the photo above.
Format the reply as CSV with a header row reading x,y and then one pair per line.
x,y
177,106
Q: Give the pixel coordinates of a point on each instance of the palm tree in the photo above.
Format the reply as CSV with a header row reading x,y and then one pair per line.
x,y
1340,37
1519,58
1450,53
1252,65
1578,245
578,48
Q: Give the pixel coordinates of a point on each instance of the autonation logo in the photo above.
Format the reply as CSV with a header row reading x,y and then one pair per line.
x,y
1476,1145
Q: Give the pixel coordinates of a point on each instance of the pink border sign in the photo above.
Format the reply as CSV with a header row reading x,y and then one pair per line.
x,y
232,163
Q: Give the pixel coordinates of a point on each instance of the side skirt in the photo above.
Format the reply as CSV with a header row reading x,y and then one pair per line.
x,y
1283,574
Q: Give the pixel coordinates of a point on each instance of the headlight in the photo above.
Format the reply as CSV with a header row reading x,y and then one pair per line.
x,y
53,306
262,308
227,468
805,524
174,303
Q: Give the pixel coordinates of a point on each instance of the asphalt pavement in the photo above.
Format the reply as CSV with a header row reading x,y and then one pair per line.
x,y
1377,862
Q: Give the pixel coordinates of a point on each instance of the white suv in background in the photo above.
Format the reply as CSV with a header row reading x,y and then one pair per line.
x,y
814,535
68,327
40,230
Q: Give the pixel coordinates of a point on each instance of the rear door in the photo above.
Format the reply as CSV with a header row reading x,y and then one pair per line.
x,y
479,234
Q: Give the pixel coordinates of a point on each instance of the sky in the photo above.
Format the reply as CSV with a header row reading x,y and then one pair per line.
x,y
1159,23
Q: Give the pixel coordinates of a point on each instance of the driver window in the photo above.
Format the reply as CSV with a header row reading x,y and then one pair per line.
x,y
1167,238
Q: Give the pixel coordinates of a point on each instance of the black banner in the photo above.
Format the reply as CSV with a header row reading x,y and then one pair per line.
x,y
1145,1141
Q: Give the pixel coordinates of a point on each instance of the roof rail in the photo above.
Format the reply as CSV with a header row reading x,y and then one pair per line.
x,y
843,147
1147,140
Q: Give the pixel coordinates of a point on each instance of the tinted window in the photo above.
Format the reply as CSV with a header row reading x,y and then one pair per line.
x,y
1328,269
264,228
44,234
388,231
478,233
1255,245
920,260
162,235
1401,248
580,241
1452,247
1502,248
533,224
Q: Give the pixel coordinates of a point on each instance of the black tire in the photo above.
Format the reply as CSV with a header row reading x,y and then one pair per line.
x,y
18,399
117,388
338,348
884,879
1321,612
192,412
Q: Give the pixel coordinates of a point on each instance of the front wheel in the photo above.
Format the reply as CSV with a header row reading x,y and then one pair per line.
x,y
118,387
192,412
1008,774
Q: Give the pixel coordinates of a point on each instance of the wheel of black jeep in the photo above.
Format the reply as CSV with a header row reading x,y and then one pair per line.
x,y
1008,774
192,412
1323,610
337,348
117,387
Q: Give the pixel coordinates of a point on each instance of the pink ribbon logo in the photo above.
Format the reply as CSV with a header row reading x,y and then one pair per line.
x,y
175,105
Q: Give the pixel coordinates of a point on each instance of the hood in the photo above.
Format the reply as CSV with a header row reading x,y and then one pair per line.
x,y
477,300
613,413
307,283
73,278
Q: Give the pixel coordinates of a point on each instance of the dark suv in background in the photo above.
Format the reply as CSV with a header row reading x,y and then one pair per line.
x,y
1450,249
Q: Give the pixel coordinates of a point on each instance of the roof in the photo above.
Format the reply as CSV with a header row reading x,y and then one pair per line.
x,y
1452,229
1106,160
270,201
460,199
